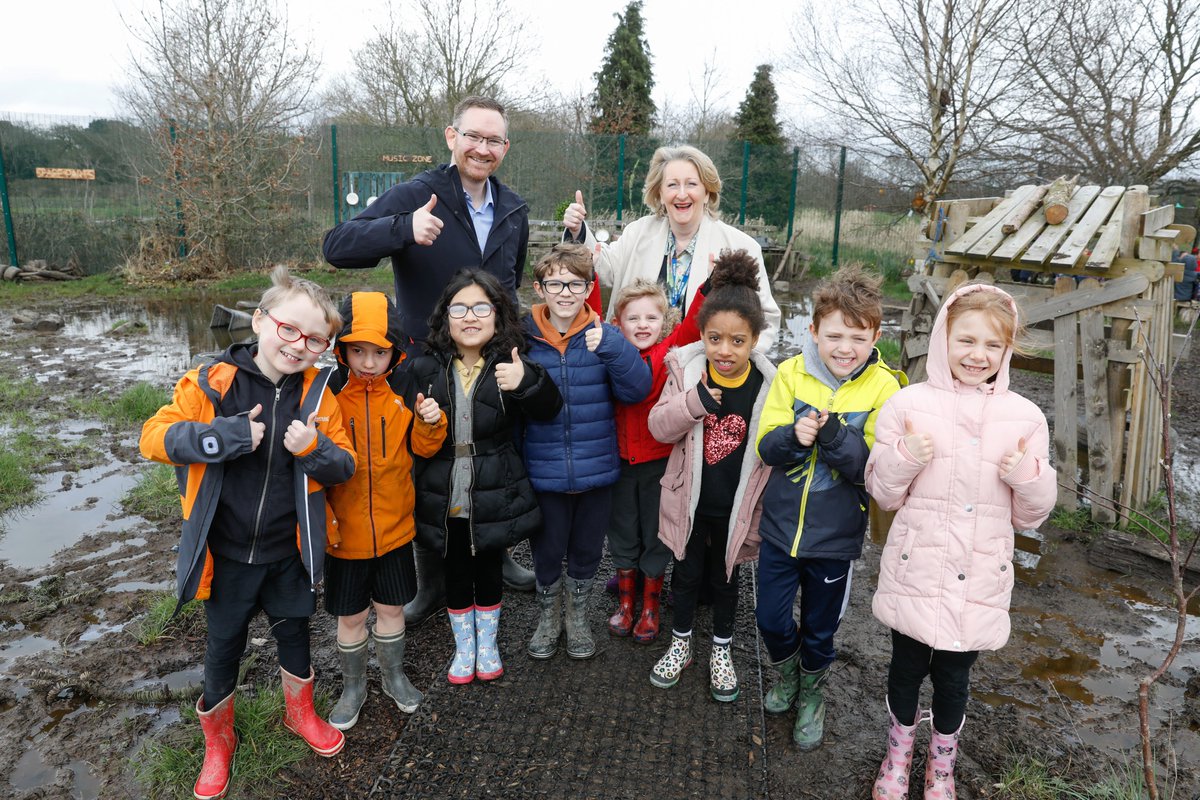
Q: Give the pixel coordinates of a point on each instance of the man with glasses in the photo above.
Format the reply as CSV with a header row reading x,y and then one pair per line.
x,y
453,216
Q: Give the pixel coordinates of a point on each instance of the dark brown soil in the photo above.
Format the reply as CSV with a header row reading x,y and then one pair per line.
x,y
1061,691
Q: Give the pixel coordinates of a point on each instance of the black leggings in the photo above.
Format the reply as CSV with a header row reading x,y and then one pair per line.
x,y
950,673
471,580
223,656
704,564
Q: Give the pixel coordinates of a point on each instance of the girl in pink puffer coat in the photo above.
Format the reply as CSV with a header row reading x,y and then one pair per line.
x,y
964,461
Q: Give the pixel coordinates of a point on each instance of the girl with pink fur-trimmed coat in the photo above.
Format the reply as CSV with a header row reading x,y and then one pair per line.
x,y
964,461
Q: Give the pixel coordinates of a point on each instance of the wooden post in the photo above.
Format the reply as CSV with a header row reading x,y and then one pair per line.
x,y
1066,428
1094,350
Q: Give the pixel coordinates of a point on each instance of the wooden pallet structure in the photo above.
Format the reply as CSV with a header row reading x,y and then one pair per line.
x,y
1110,301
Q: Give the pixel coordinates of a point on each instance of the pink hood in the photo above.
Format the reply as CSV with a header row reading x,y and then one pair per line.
x,y
946,574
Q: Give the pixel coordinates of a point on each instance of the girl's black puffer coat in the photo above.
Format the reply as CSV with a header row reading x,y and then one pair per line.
x,y
504,509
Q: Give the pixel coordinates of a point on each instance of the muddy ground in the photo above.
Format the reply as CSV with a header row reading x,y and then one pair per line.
x,y
77,692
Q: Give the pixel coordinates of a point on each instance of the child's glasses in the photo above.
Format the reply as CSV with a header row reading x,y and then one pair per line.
x,y
556,287
290,333
459,310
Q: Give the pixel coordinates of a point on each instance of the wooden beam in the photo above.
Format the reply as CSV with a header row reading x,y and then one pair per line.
x,y
1066,429
990,222
1094,354
1157,218
1080,300
1137,200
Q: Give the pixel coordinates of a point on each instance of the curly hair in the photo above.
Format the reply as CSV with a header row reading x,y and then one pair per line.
x,y
854,292
508,326
733,287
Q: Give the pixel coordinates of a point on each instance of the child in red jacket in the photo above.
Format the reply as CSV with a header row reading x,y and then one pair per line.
x,y
642,315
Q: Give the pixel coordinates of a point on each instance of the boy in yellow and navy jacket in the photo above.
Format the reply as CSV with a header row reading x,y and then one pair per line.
x,y
816,431
370,560
255,436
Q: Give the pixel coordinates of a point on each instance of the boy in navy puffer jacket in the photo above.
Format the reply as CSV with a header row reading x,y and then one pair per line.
x,y
573,459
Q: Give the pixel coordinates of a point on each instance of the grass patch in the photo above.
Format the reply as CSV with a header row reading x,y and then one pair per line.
x,y
155,496
107,284
168,768
135,405
18,395
1074,519
159,624
1153,518
1027,778
889,349
16,487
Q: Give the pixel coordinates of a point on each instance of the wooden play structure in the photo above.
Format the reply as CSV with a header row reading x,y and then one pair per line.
x,y
1101,298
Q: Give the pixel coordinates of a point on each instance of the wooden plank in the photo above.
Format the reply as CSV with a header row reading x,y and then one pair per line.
x,y
991,222
1109,242
1016,243
1047,244
1153,247
1078,301
1137,201
1157,218
1081,235
1066,413
1118,387
1022,211
1093,353
1134,554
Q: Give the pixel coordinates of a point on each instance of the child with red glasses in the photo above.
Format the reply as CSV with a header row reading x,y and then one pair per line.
x,y
254,437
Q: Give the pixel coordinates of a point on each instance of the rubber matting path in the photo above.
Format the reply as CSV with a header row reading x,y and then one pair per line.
x,y
597,728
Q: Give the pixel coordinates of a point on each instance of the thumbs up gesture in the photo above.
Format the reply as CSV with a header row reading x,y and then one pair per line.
x,y
920,445
257,429
510,374
594,335
1012,458
425,225
300,435
807,427
575,214
714,391
427,409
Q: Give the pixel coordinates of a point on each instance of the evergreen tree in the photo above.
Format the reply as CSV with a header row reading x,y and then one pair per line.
x,y
622,101
756,122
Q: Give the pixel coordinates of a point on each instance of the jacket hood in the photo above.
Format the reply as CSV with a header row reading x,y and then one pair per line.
x,y
938,361
372,318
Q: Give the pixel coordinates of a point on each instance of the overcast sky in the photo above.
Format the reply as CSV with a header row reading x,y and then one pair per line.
x,y
64,57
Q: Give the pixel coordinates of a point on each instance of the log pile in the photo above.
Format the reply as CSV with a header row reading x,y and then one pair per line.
x,y
38,270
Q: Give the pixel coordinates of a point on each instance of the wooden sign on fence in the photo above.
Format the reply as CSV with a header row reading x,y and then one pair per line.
x,y
65,173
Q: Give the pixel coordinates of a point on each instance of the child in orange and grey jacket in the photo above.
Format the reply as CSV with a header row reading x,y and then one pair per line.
x,y
370,560
254,437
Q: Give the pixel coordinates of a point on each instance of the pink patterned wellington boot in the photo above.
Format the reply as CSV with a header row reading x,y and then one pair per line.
x,y
892,783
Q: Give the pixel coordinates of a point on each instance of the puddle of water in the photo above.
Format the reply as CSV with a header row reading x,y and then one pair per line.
x,y
31,771
138,586
33,535
30,645
95,631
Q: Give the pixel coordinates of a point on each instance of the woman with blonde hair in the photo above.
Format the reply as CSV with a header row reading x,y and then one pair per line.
x,y
676,244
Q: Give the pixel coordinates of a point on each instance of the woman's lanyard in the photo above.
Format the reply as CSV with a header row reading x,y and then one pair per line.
x,y
678,270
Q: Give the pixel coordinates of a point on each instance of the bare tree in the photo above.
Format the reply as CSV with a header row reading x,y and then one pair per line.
x,y
704,117
225,87
1112,87
414,74
926,80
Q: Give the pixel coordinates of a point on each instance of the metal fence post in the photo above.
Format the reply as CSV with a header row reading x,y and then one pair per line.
x,y
337,200
795,185
745,180
620,174
8,222
837,208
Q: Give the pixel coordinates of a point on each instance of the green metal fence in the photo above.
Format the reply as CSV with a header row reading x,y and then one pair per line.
x,y
98,223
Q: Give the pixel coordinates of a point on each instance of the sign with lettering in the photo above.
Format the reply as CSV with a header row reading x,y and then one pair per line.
x,y
406,159
65,173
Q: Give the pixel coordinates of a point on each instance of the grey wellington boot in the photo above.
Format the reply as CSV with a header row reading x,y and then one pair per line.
x,y
515,576
431,586
580,642
354,685
389,649
544,643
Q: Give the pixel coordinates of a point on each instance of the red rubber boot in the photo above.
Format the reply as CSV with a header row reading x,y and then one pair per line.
x,y
219,743
621,623
301,718
646,630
